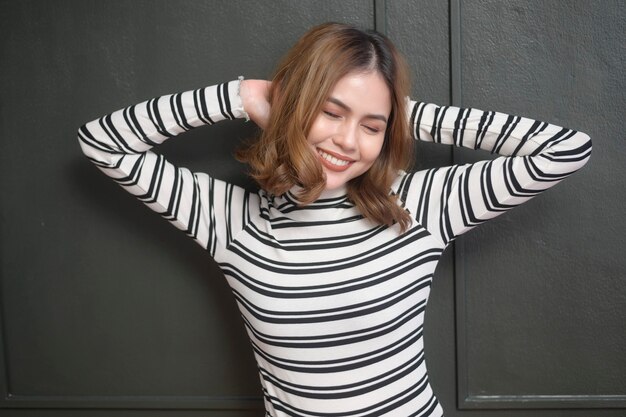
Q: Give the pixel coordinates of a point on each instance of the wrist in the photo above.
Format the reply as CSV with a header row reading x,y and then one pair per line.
x,y
254,96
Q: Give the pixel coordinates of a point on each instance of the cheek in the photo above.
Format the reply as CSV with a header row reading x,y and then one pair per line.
x,y
319,131
372,149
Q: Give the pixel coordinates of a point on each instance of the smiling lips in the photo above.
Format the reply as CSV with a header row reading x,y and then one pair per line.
x,y
333,161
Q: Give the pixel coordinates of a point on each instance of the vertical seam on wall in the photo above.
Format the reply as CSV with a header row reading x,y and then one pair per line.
x,y
457,248
455,53
4,356
380,16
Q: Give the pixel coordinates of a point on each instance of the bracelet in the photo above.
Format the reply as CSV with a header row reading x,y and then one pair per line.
x,y
240,78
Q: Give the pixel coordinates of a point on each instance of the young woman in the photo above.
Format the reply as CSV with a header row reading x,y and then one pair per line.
x,y
331,261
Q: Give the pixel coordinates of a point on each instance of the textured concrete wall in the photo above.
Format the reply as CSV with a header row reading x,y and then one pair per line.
x,y
563,61
147,322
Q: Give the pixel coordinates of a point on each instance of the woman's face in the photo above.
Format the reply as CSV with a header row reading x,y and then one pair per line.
x,y
349,132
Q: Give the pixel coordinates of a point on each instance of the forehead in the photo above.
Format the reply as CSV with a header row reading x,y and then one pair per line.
x,y
363,92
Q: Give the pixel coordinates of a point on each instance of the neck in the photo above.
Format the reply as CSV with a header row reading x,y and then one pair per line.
x,y
335,192
326,194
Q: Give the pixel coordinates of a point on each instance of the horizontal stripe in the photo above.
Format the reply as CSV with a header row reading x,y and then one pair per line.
x,y
334,305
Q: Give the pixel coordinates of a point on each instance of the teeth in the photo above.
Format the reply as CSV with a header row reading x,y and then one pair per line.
x,y
332,159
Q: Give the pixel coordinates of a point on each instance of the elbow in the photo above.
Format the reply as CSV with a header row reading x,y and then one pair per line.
x,y
572,153
586,147
580,150
90,146
82,136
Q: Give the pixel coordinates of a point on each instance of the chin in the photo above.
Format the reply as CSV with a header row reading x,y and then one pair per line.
x,y
335,184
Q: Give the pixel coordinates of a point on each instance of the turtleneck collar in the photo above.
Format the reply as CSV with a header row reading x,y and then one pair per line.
x,y
337,195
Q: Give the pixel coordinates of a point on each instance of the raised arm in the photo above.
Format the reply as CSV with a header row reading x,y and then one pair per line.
x,y
535,156
119,144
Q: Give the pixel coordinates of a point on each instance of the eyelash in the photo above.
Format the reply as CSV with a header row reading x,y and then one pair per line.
x,y
336,116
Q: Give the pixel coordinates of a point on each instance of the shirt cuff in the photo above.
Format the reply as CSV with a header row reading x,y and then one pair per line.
x,y
236,104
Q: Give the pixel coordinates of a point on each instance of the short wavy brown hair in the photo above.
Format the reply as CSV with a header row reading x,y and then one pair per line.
x,y
280,158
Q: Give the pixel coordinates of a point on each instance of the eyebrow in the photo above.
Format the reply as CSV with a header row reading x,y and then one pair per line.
x,y
347,108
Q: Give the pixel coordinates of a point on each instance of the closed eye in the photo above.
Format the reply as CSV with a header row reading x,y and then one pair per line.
x,y
371,129
330,114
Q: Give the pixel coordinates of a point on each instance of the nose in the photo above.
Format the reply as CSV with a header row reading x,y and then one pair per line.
x,y
347,137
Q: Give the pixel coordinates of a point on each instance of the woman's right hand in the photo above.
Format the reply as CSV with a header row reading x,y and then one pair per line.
x,y
255,98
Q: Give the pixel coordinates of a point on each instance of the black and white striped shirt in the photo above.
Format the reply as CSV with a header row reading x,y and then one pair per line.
x,y
333,304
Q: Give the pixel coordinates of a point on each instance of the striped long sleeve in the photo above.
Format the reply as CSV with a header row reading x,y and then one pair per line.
x,y
119,144
452,200
334,304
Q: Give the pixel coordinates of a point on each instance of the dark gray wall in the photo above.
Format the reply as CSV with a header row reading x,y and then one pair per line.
x,y
106,310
